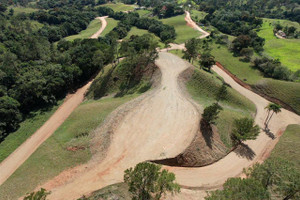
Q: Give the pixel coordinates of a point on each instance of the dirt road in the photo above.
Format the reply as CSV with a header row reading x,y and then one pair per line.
x,y
162,125
103,26
232,165
23,152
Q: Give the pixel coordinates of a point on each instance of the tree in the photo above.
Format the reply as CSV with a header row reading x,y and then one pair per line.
x,y
274,108
210,114
222,93
39,195
278,176
147,181
9,115
244,129
207,60
192,49
240,189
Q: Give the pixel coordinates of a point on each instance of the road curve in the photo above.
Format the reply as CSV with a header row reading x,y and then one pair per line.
x,y
103,26
24,151
162,125
232,165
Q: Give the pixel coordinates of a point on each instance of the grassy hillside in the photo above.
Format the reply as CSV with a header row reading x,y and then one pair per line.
x,y
111,24
53,156
286,50
92,28
143,13
33,122
183,31
288,147
288,92
117,7
136,31
116,191
20,9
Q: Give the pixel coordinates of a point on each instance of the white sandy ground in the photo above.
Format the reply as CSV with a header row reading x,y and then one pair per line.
x,y
103,26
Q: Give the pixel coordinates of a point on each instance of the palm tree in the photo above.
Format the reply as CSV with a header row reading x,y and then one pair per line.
x,y
274,108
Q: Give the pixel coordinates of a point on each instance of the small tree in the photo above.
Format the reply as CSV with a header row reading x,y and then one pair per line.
x,y
39,195
192,49
244,129
271,108
147,181
207,60
210,114
222,93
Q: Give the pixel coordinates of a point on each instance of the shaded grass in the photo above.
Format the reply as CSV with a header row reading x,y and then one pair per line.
x,y
20,9
136,31
288,147
183,31
92,28
27,128
119,7
111,24
52,157
116,191
203,87
143,13
286,50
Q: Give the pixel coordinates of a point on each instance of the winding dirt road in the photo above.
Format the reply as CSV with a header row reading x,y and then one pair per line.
x,y
103,26
162,125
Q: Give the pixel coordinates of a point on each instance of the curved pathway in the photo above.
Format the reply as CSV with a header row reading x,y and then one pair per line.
x,y
162,125
103,26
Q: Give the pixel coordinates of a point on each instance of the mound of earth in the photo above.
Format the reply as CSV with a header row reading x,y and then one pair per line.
x,y
206,147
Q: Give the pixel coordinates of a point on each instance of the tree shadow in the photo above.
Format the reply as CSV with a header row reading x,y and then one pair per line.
x,y
207,132
269,133
243,150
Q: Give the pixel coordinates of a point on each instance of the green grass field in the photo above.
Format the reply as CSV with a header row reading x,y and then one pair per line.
x,y
92,28
111,24
117,7
286,50
19,9
27,128
136,31
183,31
52,157
288,147
143,13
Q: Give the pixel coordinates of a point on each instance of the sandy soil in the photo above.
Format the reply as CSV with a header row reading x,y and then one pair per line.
x,y
103,26
160,126
23,152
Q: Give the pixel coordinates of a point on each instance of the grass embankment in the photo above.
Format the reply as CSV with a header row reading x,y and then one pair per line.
x,y
203,87
286,50
92,28
288,147
116,191
111,24
53,156
136,31
183,32
287,92
118,7
31,124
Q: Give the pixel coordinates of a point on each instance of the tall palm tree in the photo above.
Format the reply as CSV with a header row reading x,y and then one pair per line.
x,y
274,108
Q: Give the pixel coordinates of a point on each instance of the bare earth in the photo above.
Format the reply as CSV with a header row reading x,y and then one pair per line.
x,y
162,125
103,26
23,152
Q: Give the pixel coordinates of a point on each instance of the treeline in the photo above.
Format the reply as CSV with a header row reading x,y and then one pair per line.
x,y
62,22
127,20
276,9
34,73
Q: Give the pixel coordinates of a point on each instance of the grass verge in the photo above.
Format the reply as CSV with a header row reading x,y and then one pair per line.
x,y
183,31
53,156
92,28
27,128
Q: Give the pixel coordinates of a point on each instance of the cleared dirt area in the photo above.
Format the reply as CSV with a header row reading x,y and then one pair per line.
x,y
160,126
103,26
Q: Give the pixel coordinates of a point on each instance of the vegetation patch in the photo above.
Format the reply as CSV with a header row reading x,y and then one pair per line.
x,y
53,156
116,191
286,50
118,7
183,32
92,28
